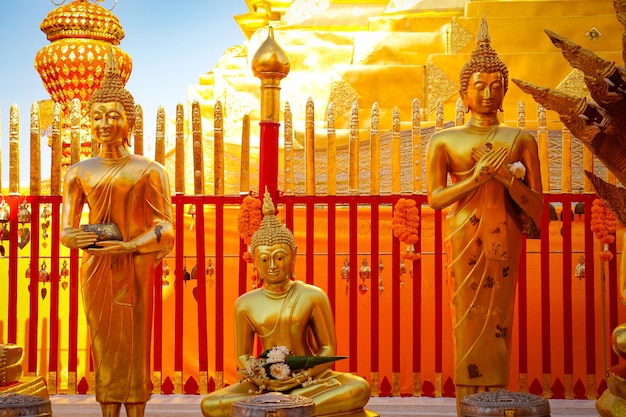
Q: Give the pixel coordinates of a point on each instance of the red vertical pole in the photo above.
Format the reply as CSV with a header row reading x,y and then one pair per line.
x,y
522,312
34,299
268,162
219,287
310,241
546,359
396,320
13,299
203,361
54,299
417,302
375,300
568,319
158,325
439,280
332,253
179,282
354,276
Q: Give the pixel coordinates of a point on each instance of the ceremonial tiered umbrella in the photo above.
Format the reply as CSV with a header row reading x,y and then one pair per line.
x,y
81,35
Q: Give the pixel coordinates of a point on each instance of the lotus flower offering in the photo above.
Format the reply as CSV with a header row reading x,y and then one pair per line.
x,y
278,363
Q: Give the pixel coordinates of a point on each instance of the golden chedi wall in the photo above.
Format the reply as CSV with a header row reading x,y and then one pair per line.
x,y
391,52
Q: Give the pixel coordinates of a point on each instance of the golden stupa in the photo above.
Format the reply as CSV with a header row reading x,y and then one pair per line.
x,y
394,51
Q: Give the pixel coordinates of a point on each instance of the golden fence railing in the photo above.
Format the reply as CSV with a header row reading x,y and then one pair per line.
x,y
392,316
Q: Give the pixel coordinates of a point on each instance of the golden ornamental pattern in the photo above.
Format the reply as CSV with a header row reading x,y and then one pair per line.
x,y
459,37
440,87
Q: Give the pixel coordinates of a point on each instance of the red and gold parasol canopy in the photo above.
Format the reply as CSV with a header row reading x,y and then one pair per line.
x,y
81,34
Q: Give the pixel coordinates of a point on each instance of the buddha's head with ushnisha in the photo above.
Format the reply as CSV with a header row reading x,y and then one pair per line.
x,y
484,59
271,231
112,90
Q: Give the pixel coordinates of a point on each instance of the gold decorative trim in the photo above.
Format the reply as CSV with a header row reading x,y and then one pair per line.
x,y
375,392
523,382
178,382
82,19
591,387
342,96
71,383
459,37
417,384
288,150
92,383
574,84
547,386
52,382
593,34
569,386
219,380
440,87
438,385
204,383
14,149
157,382
395,390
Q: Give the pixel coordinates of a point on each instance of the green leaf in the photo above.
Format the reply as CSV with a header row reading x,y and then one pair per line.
x,y
303,362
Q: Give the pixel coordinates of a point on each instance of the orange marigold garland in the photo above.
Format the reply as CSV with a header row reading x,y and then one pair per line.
x,y
603,225
249,220
405,224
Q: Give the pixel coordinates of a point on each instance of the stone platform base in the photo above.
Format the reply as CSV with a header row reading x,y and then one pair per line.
x,y
359,413
16,405
504,403
283,405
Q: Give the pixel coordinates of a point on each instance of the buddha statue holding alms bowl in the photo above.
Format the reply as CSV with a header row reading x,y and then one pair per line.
x,y
130,229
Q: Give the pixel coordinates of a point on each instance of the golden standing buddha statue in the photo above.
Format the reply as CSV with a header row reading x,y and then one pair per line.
x,y
285,312
495,191
117,276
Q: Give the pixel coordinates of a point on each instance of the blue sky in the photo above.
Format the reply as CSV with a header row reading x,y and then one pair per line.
x,y
171,44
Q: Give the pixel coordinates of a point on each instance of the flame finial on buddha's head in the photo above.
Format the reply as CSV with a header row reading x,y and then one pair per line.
x,y
271,231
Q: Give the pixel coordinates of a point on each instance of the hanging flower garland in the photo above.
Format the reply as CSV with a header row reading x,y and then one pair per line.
x,y
405,224
603,225
249,220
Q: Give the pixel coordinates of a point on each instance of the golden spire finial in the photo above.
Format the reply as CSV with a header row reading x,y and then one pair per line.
x,y
271,231
112,90
270,60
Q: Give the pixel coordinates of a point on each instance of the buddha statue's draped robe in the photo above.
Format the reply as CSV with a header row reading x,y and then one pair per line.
x,y
301,320
483,236
132,192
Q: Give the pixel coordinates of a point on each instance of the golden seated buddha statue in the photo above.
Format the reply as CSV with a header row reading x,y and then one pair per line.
x,y
292,316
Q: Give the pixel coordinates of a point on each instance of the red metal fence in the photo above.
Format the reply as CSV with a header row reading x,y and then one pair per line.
x,y
394,326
